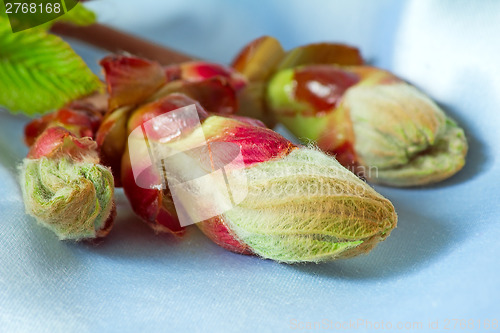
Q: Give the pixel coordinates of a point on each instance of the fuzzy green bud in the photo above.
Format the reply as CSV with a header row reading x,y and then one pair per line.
x,y
370,120
73,199
404,134
306,207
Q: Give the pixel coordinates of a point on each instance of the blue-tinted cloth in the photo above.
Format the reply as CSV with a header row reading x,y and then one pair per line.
x,y
441,263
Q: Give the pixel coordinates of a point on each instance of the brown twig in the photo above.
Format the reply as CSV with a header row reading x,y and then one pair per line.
x,y
113,40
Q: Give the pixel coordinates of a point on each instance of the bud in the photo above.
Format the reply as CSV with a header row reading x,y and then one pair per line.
x,y
257,61
321,54
124,73
73,199
196,71
216,94
370,120
111,139
304,207
300,204
153,204
57,142
64,186
82,117
404,134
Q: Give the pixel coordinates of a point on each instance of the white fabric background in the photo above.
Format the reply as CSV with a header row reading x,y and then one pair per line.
x,y
440,263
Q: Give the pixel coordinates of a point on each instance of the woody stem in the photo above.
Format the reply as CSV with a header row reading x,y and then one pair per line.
x,y
115,41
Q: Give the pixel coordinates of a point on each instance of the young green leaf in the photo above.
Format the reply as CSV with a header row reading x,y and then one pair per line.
x,y
40,72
